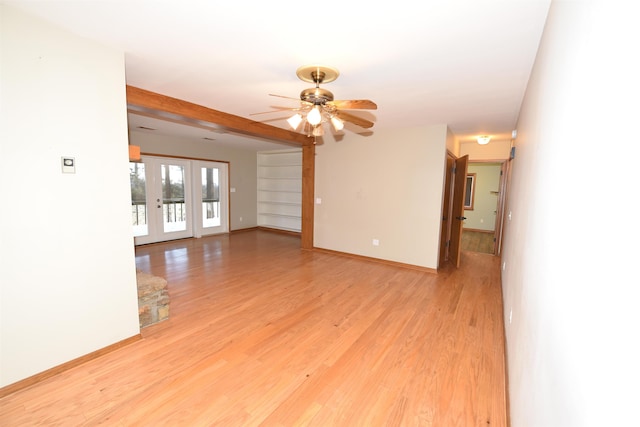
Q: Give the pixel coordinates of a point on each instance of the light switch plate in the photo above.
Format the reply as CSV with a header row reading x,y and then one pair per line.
x,y
68,165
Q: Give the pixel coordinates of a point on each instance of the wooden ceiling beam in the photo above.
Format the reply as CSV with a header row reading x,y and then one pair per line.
x,y
173,108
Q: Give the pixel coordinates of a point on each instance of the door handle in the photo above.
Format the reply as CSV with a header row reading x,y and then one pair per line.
x,y
461,218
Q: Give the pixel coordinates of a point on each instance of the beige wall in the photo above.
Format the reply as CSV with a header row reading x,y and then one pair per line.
x,y
68,284
494,150
242,170
453,145
387,186
485,203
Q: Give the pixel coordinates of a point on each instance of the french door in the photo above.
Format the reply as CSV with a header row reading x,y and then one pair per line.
x,y
174,199
211,198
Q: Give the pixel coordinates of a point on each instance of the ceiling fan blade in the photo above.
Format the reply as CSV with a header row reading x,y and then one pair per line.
x,y
286,97
354,119
274,119
277,110
354,104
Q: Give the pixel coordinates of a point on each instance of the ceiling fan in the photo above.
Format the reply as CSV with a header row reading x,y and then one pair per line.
x,y
317,105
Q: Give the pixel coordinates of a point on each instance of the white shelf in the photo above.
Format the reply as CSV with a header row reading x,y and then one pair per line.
x,y
282,177
274,215
280,203
264,190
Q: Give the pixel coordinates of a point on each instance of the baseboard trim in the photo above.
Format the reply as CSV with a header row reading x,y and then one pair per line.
x,y
243,230
478,230
279,230
34,379
263,228
378,260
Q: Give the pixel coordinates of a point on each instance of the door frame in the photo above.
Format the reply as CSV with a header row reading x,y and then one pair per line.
x,y
502,203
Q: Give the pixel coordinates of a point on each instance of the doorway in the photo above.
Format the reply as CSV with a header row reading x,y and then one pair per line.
x,y
483,215
177,198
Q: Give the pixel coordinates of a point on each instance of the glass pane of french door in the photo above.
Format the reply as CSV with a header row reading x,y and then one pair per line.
x,y
210,197
174,208
138,199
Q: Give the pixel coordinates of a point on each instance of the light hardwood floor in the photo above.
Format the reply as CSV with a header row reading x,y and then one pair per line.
x,y
478,241
263,333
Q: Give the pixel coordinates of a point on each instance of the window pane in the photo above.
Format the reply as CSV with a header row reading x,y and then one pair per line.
x,y
138,199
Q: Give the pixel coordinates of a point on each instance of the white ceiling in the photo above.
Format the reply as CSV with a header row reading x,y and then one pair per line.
x,y
461,63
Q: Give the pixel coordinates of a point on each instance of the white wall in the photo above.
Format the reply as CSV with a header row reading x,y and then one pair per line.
x,y
570,249
387,186
242,170
68,284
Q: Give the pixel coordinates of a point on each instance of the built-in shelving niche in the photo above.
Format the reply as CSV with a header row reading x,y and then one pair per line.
x,y
280,189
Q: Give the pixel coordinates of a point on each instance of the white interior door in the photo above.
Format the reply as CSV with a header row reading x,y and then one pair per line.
x,y
161,199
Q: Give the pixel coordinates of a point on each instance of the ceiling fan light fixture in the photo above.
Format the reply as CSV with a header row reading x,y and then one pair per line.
x,y
314,117
317,105
338,124
484,139
294,121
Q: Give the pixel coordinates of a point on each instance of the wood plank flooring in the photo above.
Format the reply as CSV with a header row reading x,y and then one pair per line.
x,y
262,333
478,241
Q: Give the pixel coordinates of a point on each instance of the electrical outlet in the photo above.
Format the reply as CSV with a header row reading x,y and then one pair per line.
x,y
376,242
